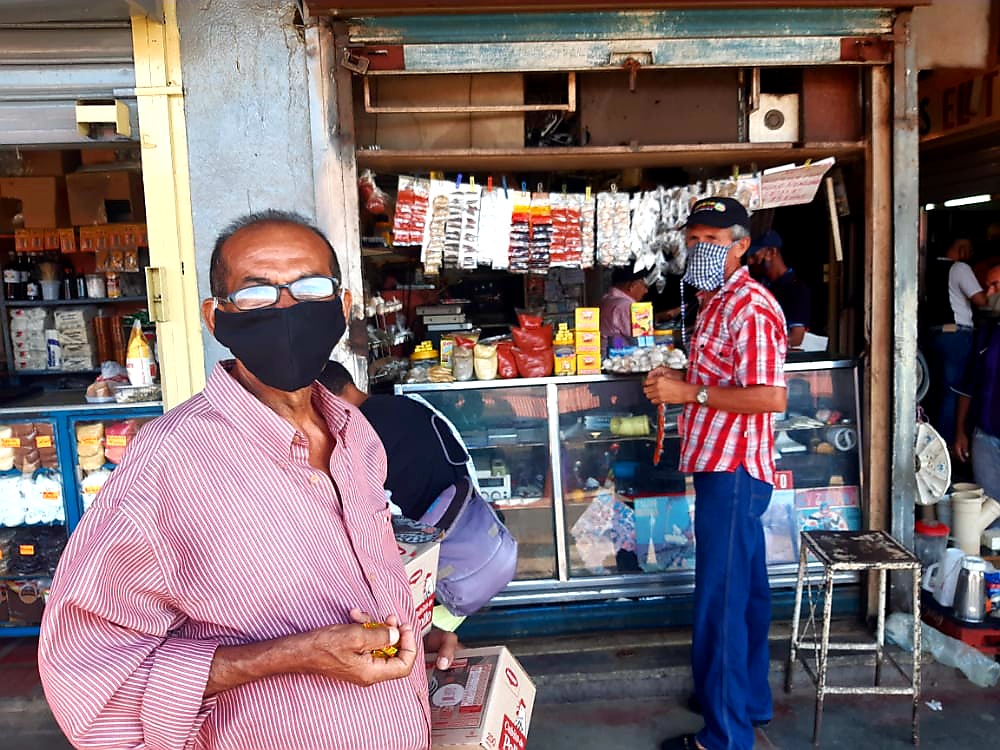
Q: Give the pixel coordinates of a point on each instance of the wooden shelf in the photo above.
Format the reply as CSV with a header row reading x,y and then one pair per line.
x,y
74,302
604,157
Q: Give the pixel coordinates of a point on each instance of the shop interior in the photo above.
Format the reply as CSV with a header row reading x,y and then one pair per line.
x,y
570,461
74,321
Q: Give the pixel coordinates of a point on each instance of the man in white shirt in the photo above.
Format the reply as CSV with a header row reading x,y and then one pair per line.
x,y
952,290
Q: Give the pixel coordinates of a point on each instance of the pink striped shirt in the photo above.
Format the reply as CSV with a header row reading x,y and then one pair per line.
x,y
739,340
215,530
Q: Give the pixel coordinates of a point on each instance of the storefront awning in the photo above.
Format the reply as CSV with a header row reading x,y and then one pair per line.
x,y
345,8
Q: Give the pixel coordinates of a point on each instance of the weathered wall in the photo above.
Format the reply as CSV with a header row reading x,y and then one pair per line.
x,y
952,34
247,114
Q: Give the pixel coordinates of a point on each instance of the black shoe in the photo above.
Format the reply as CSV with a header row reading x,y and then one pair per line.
x,y
684,742
694,706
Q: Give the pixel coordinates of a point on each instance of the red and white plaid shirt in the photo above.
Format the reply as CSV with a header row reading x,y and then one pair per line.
x,y
739,340
215,530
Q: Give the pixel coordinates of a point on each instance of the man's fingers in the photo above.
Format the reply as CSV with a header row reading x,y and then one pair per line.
x,y
360,617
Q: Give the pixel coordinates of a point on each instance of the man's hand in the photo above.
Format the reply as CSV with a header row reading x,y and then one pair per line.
x,y
662,386
961,447
338,652
444,644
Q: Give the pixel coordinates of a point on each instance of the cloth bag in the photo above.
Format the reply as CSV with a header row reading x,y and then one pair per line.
x,y
478,554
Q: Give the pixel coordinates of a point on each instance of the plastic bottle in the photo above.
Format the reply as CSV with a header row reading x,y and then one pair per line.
x,y
979,668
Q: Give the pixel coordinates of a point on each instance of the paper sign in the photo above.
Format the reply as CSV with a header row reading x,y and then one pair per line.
x,y
44,441
792,185
11,442
26,549
116,441
89,441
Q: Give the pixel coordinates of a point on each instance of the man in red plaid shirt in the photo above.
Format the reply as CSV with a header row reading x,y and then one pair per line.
x,y
735,383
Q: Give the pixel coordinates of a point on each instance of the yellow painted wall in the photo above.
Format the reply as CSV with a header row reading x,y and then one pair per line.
x,y
163,139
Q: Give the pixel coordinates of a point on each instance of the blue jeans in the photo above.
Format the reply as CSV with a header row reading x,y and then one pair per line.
x,y
732,608
950,355
986,462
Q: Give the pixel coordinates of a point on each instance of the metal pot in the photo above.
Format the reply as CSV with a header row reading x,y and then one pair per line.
x,y
970,593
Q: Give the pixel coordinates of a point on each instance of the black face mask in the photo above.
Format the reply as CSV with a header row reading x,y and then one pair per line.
x,y
284,347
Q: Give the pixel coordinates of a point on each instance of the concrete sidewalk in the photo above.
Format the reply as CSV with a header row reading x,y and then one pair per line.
x,y
627,691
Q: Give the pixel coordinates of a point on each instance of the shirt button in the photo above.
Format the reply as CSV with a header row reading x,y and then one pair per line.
x,y
314,479
372,577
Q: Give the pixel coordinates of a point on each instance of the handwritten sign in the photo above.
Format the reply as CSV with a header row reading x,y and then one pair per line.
x,y
792,185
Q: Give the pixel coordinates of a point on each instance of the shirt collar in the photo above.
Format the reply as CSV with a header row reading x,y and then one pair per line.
x,y
739,277
257,422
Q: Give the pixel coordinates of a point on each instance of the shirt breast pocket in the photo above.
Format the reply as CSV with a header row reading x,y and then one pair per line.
x,y
716,360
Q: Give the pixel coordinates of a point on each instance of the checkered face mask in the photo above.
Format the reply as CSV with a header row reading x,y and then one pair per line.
x,y
706,265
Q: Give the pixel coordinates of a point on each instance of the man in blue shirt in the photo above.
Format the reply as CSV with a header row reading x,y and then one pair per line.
x,y
978,411
767,265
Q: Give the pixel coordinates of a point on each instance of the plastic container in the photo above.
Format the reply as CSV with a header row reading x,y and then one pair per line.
x,y
50,289
96,286
930,542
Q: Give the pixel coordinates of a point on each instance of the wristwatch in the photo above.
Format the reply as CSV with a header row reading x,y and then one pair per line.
x,y
702,396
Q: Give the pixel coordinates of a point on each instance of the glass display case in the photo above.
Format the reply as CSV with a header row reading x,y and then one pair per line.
x,y
569,463
50,460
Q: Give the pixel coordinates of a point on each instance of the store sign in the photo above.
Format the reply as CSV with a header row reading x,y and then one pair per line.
x,y
951,105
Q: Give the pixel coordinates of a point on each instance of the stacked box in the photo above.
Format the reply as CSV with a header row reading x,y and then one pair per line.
x,y
76,338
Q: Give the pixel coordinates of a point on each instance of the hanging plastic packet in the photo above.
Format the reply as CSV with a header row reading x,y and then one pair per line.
x,y
462,359
139,360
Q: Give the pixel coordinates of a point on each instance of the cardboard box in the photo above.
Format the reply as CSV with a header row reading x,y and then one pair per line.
x,y
588,319
421,564
588,342
90,156
90,194
588,364
43,200
642,319
483,700
49,163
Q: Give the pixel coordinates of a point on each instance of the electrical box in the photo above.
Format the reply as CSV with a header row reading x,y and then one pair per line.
x,y
776,120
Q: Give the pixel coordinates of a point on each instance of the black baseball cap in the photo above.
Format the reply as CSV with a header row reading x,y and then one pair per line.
x,y
624,274
718,212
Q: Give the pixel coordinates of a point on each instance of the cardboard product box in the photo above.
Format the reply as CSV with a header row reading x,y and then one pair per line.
x,y
90,156
588,342
642,319
43,200
588,364
90,194
50,163
588,319
484,700
421,564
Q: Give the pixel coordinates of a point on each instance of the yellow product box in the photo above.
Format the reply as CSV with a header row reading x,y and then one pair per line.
x,y
642,319
421,564
482,702
588,319
588,364
588,341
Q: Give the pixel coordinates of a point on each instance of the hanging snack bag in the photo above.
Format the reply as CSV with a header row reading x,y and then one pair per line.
x,y
139,361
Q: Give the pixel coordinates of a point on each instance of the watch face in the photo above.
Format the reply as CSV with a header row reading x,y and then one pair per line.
x,y
702,396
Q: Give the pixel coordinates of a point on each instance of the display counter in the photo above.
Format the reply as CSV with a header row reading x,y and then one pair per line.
x,y
56,451
569,463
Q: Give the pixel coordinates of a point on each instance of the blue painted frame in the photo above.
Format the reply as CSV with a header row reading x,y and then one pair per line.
x,y
64,423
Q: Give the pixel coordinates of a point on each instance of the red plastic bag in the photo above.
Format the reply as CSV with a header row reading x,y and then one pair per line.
x,y
532,339
372,197
528,320
534,364
506,361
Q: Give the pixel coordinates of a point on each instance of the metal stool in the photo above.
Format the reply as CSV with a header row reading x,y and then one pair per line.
x,y
851,551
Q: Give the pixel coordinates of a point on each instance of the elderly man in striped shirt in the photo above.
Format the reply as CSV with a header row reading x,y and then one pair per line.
x,y
217,593
734,384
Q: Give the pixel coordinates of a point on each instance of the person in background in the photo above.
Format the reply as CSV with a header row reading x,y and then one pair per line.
x,y
735,383
767,265
627,286
217,592
952,291
424,457
977,420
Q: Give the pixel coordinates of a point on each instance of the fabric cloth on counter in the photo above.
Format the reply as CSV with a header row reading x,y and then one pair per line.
x,y
192,544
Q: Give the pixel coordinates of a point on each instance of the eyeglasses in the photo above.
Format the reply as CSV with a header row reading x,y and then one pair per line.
x,y
306,289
